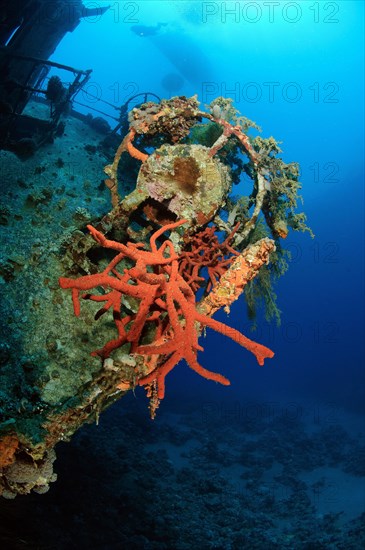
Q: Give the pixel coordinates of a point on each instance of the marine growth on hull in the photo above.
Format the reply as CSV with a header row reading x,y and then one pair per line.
x,y
127,263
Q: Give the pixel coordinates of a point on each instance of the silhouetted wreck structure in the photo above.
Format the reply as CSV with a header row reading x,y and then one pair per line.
x,y
30,31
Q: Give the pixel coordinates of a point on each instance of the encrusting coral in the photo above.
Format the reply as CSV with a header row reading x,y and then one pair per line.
x,y
8,446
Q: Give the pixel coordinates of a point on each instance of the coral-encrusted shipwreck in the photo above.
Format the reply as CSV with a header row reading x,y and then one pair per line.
x,y
179,234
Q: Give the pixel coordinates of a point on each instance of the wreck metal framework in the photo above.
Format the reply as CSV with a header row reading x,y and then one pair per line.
x,y
16,125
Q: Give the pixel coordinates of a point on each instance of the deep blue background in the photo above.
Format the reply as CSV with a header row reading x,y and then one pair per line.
x,y
296,68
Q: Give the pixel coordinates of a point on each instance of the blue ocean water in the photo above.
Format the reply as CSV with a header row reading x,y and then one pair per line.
x,y
296,69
